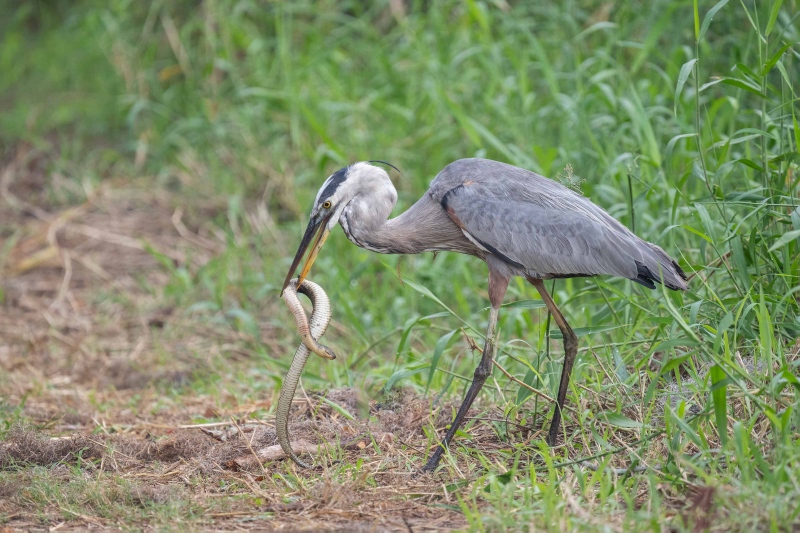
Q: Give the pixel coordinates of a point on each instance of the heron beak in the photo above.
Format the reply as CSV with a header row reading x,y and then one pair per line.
x,y
312,229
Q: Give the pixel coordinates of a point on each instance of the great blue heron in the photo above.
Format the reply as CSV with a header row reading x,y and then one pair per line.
x,y
518,222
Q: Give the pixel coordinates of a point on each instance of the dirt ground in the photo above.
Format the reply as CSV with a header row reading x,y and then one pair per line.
x,y
160,462
84,369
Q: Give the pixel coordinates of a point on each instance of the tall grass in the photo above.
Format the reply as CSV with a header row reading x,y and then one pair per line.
x,y
681,121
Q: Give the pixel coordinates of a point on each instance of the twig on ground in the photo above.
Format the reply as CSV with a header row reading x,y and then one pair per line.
x,y
275,452
249,445
221,424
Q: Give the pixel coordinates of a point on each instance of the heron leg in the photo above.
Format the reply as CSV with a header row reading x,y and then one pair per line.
x,y
570,351
497,291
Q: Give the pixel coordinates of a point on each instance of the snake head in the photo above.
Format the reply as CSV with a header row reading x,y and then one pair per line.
x,y
327,351
319,349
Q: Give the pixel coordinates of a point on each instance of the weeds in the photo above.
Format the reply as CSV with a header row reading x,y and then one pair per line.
x,y
201,134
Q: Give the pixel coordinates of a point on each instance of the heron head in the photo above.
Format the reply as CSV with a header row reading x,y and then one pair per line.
x,y
359,180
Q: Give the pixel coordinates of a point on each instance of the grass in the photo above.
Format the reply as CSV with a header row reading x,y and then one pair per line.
x,y
202,132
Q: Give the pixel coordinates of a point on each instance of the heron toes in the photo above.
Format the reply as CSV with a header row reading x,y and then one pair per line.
x,y
433,461
429,467
424,471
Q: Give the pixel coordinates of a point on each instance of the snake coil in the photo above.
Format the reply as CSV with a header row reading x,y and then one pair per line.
x,y
310,334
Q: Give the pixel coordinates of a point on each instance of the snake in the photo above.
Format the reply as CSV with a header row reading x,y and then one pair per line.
x,y
310,334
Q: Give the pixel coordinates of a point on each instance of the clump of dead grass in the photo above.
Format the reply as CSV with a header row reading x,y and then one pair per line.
x,y
145,494
34,448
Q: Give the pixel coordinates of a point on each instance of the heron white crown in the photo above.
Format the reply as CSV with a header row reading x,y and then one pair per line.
x,y
358,187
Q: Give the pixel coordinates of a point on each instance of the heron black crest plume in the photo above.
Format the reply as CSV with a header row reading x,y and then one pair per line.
x,y
387,164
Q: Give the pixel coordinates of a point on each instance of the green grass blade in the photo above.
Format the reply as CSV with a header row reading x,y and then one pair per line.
x,y
773,16
426,292
686,70
441,344
739,259
796,131
786,238
523,393
403,374
525,304
775,57
719,394
736,82
619,420
588,330
709,17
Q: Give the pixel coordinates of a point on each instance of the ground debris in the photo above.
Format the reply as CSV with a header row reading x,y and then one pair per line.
x,y
28,447
700,511
275,452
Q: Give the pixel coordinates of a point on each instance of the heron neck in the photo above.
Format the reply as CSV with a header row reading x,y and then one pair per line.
x,y
424,227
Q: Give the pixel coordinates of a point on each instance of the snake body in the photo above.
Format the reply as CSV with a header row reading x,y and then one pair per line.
x,y
310,334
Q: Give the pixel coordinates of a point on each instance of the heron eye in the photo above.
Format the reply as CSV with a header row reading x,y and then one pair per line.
x,y
327,204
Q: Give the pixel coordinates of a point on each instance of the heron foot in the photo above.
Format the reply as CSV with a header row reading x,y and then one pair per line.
x,y
433,460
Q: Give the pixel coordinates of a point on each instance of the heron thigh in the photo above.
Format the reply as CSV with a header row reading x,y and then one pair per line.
x,y
499,275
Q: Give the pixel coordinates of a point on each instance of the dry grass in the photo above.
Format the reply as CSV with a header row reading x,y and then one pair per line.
x,y
159,464
83,355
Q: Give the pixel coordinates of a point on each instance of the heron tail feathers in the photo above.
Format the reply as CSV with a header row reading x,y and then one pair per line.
x,y
659,267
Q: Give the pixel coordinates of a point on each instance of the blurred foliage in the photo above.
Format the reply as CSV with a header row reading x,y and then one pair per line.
x,y
681,122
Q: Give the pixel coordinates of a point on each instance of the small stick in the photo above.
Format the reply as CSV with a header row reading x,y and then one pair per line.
x,y
249,447
308,400
216,425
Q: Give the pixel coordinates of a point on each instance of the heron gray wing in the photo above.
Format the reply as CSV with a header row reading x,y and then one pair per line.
x,y
544,228
505,182
543,242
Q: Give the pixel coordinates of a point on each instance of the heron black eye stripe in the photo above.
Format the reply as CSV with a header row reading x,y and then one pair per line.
x,y
334,181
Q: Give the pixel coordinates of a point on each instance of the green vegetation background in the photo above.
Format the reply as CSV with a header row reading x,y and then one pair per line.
x,y
680,119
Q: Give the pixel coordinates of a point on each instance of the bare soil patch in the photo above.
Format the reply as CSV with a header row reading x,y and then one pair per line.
x,y
382,494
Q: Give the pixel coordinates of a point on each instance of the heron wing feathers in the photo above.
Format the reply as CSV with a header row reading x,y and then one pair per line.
x,y
544,228
542,241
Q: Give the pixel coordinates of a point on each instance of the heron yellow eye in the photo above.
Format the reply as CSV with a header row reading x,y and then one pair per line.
x,y
327,204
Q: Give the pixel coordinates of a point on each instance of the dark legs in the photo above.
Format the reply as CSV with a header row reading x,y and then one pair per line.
x,y
570,351
497,291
